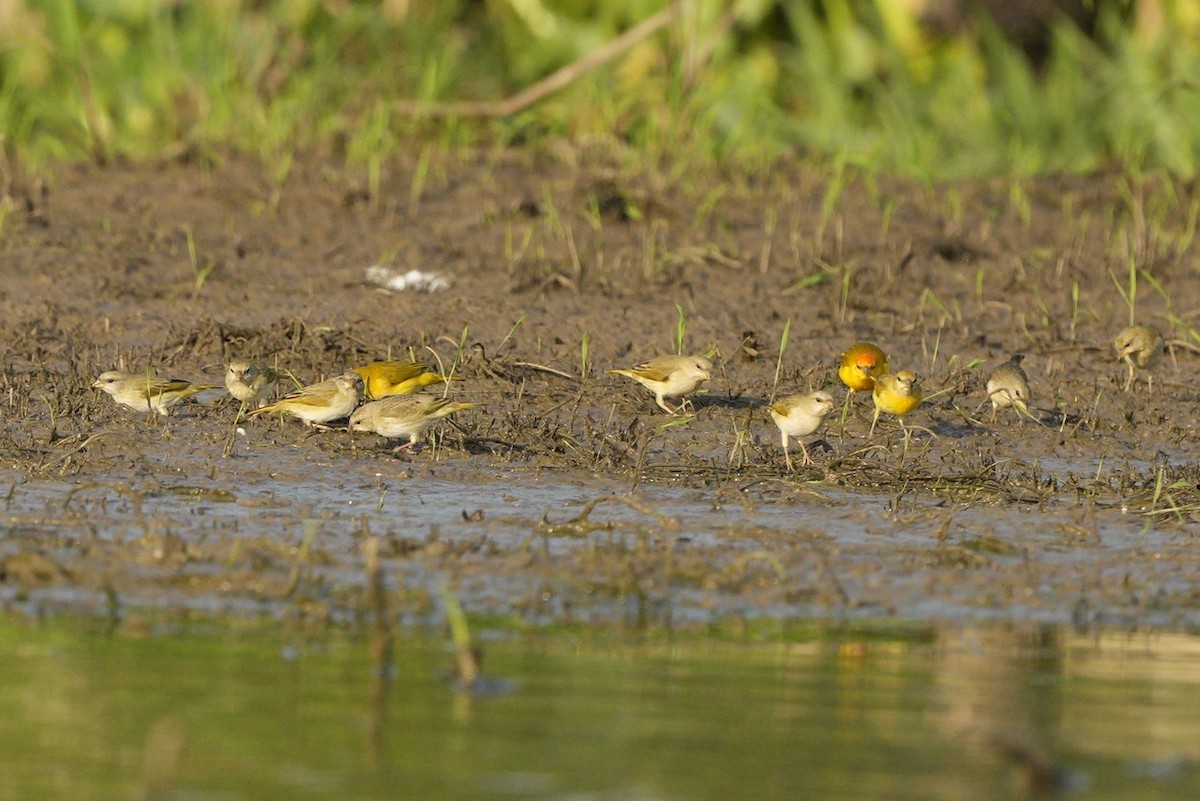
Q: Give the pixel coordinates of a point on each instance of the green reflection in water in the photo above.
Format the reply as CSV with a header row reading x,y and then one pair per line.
x,y
956,713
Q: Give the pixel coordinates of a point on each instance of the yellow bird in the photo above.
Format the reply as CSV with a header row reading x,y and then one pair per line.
x,y
146,391
895,393
861,365
384,379
1141,347
670,377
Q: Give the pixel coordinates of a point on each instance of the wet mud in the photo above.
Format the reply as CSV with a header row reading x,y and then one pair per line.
x,y
566,496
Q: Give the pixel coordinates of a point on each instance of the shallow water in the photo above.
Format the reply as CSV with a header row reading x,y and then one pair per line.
x,y
873,712
565,546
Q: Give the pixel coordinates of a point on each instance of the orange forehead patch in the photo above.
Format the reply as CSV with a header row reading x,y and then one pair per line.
x,y
865,360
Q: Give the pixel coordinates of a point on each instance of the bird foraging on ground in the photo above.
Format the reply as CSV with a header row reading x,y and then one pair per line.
x,y
798,416
249,382
384,379
1141,348
403,416
670,377
1008,385
320,403
146,391
861,364
895,393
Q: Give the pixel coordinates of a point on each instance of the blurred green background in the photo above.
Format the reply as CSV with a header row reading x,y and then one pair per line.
x,y
930,88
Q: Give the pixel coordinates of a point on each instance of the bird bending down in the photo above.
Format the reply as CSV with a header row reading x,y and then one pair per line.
x,y
319,403
1008,386
1141,348
384,379
403,416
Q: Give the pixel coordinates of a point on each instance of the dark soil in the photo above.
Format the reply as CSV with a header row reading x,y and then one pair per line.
x,y
1089,517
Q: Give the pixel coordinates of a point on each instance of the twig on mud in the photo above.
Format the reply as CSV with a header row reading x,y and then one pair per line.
x,y
582,525
228,449
134,496
551,83
77,449
543,368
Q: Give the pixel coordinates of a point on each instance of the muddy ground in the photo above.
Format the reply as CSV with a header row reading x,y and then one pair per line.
x,y
557,257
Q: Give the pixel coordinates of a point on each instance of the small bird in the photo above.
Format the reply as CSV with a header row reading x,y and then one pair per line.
x,y
249,382
798,416
895,393
1008,385
146,391
1141,347
403,416
670,377
320,403
383,379
861,364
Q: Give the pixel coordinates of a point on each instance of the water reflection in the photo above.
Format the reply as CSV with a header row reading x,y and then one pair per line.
x,y
876,712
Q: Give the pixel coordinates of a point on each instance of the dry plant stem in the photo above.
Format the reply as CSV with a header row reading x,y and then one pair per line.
x,y
551,83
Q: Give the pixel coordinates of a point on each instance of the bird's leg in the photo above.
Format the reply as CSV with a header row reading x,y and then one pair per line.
x,y
406,447
846,407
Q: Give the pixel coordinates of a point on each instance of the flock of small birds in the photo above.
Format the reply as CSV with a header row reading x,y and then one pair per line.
x,y
394,409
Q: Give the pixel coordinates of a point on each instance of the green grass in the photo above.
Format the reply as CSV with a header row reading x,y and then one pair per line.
x,y
861,82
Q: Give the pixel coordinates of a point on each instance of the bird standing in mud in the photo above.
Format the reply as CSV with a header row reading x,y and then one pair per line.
x,y
403,416
146,391
861,364
895,393
320,403
249,382
1008,385
798,416
670,377
384,379
1141,348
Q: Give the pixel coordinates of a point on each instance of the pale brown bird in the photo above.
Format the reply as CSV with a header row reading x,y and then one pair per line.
x,y
146,391
403,416
1008,385
320,403
250,383
1141,348
670,377
798,416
